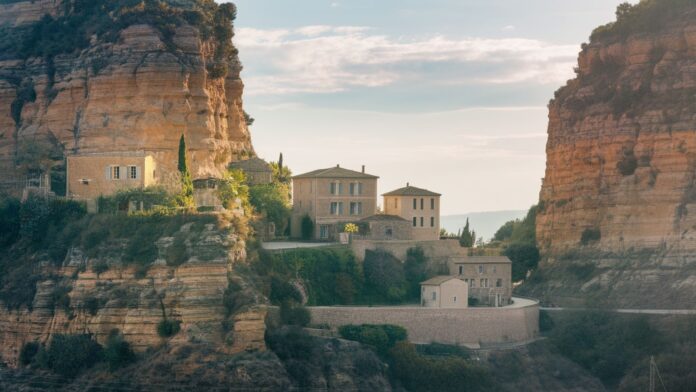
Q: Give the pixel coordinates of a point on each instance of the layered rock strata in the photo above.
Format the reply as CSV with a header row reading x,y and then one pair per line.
x,y
620,184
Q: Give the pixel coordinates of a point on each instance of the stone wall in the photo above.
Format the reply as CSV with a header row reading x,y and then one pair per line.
x,y
438,251
471,326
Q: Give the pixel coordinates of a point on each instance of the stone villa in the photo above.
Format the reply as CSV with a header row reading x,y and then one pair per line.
x,y
331,197
419,206
489,278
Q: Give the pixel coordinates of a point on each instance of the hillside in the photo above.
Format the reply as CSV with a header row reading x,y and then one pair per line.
x,y
617,211
112,76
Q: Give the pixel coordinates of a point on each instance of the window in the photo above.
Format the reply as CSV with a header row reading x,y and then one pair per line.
x,y
115,172
432,203
414,222
454,299
434,296
493,269
396,202
432,221
415,204
461,269
480,269
332,188
421,203
355,208
360,188
388,232
484,282
132,172
356,188
421,221
340,188
336,188
473,283
336,208
324,232
499,283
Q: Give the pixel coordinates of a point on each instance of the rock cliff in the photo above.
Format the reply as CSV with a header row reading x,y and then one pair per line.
x,y
104,77
617,213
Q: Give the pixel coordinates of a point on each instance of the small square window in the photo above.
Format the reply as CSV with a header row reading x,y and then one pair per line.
x,y
132,172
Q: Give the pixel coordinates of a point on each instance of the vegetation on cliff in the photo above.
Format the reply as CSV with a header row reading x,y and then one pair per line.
x,y
517,239
645,17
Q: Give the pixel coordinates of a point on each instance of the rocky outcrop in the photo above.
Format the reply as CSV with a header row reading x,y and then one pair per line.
x,y
79,297
139,91
24,12
620,186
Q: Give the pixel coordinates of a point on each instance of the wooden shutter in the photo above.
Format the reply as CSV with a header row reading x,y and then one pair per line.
x,y
107,173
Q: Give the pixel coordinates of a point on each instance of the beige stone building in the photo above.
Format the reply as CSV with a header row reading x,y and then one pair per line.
x,y
256,170
92,175
419,206
489,278
383,227
444,292
332,197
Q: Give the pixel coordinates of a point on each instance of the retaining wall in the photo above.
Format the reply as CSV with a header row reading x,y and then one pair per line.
x,y
470,326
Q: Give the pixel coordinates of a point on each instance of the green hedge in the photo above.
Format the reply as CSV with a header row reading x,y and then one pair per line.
x,y
380,337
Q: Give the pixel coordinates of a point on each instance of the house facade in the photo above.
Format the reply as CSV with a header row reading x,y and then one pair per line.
x,y
489,278
332,197
444,292
383,227
92,175
419,206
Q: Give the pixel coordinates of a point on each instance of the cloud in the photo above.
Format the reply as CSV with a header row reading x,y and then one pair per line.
x,y
509,28
325,59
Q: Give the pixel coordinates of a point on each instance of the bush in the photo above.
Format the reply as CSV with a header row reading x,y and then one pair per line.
x,y
118,352
168,328
418,373
100,267
545,321
307,228
68,355
524,257
273,202
380,337
28,352
293,314
590,235
282,291
384,276
415,269
91,305
442,350
9,221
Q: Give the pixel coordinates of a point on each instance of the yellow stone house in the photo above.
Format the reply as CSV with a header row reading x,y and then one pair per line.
x,y
92,175
331,197
419,206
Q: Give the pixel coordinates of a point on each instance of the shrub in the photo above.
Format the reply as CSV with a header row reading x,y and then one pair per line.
x,y
628,163
384,275
273,202
293,314
177,253
590,235
91,305
68,355
380,337
415,271
168,328
9,221
282,291
545,321
28,352
100,267
307,228
524,257
419,373
118,352
443,350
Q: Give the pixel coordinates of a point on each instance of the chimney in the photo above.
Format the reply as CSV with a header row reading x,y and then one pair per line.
x,y
408,184
337,165
363,169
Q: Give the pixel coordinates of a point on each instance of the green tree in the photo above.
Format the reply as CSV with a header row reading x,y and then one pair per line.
x,y
307,228
415,270
272,201
68,355
185,197
467,236
384,276
233,187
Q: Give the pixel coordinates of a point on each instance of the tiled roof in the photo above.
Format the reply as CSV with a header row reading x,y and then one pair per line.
x,y
335,172
383,217
482,260
438,280
411,191
252,164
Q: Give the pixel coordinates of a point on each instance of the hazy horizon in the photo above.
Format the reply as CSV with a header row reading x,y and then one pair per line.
x,y
448,95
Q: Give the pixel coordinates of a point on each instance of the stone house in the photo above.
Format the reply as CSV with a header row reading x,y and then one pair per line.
x,y
444,292
419,206
92,175
256,170
330,197
383,227
489,278
205,193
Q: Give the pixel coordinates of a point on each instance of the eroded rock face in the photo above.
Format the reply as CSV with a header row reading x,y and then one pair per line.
x,y
134,301
141,92
24,12
620,183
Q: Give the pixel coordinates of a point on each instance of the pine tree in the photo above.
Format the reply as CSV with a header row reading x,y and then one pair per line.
x,y
185,198
466,239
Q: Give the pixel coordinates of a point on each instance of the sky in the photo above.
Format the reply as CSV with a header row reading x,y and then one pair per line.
x,y
446,95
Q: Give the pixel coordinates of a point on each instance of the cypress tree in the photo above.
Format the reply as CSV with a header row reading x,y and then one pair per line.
x,y
185,199
182,155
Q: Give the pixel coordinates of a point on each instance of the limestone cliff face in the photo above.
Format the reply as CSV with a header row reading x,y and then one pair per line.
x,y
139,90
620,183
135,302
